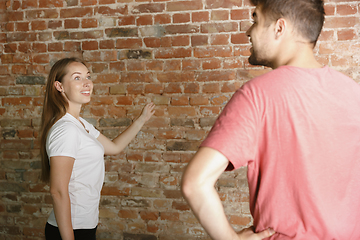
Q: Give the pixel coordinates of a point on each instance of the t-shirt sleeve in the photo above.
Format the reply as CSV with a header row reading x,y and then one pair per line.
x,y
63,140
235,132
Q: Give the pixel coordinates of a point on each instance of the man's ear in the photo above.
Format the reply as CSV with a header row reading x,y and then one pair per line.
x,y
58,86
280,27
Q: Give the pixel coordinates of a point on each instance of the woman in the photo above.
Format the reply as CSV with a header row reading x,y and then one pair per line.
x,y
75,151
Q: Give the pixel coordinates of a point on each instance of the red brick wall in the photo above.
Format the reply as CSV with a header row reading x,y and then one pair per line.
x,y
188,57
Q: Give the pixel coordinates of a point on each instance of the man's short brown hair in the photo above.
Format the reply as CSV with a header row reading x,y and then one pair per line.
x,y
307,16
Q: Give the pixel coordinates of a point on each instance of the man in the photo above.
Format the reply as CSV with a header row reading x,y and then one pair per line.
x,y
296,128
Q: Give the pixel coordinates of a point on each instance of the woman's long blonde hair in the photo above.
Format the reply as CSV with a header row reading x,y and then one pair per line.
x,y
55,106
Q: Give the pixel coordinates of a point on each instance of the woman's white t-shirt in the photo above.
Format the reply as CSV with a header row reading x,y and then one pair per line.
x,y
69,138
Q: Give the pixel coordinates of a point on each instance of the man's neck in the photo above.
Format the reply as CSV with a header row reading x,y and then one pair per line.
x,y
297,54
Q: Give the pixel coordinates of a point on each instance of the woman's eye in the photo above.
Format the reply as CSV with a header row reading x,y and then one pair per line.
x,y
77,78
89,77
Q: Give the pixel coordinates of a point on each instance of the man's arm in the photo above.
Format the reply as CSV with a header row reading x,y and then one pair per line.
x,y
197,186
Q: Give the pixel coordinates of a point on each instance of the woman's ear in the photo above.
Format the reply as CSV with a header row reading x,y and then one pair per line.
x,y
58,86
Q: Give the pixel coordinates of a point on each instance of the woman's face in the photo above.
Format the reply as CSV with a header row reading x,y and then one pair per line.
x,y
76,86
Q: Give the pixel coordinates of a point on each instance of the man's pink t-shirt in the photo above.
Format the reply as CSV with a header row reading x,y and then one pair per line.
x,y
298,131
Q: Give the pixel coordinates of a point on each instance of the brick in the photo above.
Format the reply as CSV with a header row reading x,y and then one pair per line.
x,y
180,41
181,29
19,101
126,20
239,38
124,100
149,215
22,26
62,35
154,88
106,44
50,3
173,53
211,64
55,24
39,14
21,37
195,135
117,66
231,63
135,88
71,23
223,75
154,65
173,88
199,40
76,12
346,34
218,15
135,65
99,67
41,58
89,23
88,2
176,77
127,213
219,27
240,14
86,35
329,9
172,65
219,100
136,77
327,36
239,220
180,100
346,9
55,47
211,4
190,64
191,88
72,46
26,4
181,111
199,100
9,48
341,22
89,45
19,69
184,5
214,51
144,20
219,39
137,54
148,8
110,11
202,16
181,18
207,121
162,19
115,191
15,16
24,47
101,100
128,43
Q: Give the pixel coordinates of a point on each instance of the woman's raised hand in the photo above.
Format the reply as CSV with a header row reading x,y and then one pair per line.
x,y
147,112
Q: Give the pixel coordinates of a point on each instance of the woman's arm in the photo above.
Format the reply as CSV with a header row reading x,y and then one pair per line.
x,y
120,142
60,173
